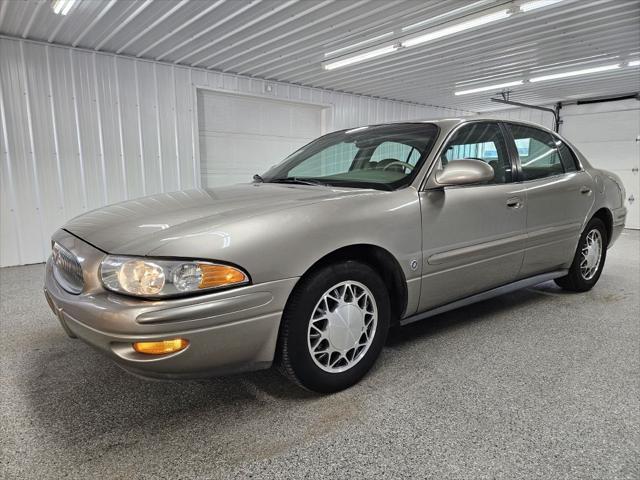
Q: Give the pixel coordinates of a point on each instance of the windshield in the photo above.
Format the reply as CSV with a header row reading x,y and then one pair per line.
x,y
385,157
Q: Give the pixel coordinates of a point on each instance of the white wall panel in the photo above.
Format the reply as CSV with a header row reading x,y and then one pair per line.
x,y
82,129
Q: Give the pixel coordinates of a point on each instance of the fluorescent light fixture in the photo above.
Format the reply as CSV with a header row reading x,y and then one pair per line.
x,y
535,4
359,44
575,73
460,27
62,7
490,87
361,58
446,14
633,63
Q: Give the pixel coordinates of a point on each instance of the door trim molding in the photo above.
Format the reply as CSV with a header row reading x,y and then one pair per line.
x,y
478,297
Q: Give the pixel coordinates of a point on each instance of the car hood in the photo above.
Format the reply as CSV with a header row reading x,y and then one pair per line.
x,y
138,226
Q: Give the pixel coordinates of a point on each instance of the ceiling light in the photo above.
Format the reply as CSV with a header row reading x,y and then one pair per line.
x,y
62,7
490,87
444,32
634,63
535,4
446,14
575,73
361,58
354,45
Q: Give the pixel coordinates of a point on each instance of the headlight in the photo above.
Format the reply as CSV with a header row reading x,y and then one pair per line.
x,y
147,277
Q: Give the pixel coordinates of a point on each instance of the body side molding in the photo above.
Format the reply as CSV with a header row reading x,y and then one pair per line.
x,y
478,297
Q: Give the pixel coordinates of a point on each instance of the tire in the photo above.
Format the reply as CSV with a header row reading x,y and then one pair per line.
x,y
345,300
584,273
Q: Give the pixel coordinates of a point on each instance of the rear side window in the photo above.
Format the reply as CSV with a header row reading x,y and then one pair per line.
x,y
569,161
538,152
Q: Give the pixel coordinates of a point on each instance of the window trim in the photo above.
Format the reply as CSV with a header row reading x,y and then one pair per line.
x,y
521,178
576,159
554,135
424,184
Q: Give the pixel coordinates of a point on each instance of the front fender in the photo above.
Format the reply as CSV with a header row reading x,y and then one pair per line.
x,y
286,243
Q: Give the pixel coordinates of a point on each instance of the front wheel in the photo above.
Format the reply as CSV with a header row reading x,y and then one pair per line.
x,y
589,258
334,327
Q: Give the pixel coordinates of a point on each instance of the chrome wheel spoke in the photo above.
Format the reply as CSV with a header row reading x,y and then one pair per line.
x,y
591,254
342,326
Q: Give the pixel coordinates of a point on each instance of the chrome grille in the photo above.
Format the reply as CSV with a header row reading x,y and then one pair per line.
x,y
67,270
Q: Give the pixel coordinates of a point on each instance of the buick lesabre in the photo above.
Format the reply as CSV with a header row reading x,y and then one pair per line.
x,y
309,265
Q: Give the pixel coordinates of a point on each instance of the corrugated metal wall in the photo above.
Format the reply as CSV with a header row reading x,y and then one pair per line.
x,y
81,129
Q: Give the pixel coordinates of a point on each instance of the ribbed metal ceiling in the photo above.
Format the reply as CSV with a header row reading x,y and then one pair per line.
x,y
287,41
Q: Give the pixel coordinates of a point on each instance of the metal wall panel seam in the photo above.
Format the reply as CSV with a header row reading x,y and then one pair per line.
x,y
211,27
123,24
181,27
11,181
156,107
27,29
244,26
103,166
175,125
54,126
32,152
139,115
95,20
120,131
195,147
76,114
269,29
57,29
151,26
3,11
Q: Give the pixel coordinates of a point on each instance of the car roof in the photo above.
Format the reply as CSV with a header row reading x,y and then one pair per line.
x,y
450,123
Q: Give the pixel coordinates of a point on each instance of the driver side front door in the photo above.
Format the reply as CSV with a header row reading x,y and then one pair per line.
x,y
473,235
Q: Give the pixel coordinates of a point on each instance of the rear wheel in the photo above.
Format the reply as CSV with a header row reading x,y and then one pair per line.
x,y
589,258
334,327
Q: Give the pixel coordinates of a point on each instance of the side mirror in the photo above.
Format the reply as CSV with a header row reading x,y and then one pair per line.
x,y
462,172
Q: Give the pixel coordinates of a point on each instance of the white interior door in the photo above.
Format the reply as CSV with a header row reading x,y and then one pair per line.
x,y
608,134
242,135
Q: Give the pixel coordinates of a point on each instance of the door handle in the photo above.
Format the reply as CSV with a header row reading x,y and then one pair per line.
x,y
585,190
514,202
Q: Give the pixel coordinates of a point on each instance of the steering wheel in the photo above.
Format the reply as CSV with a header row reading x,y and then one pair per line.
x,y
398,162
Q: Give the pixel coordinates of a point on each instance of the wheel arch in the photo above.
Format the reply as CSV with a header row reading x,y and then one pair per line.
x,y
383,262
606,216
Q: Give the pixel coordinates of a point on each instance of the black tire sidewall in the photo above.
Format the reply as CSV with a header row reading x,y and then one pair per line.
x,y
298,314
580,283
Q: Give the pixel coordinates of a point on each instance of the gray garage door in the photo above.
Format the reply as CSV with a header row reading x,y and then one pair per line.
x,y
242,135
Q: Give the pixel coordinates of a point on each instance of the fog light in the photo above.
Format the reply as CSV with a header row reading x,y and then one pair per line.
x,y
162,347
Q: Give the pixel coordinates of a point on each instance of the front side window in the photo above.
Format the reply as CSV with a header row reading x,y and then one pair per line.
x,y
538,152
385,157
480,141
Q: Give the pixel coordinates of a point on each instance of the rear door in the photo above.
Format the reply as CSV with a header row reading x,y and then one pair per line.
x,y
558,196
473,235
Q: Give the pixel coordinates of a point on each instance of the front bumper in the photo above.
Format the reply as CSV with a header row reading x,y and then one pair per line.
x,y
228,331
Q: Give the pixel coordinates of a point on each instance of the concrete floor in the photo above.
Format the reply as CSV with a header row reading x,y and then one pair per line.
x,y
536,384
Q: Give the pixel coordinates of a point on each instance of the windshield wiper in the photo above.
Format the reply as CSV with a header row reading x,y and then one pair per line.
x,y
296,180
258,179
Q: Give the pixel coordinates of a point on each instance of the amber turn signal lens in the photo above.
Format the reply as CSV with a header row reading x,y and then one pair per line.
x,y
220,275
162,347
